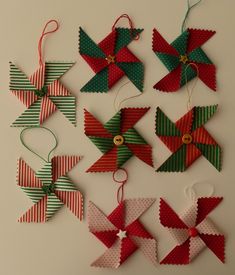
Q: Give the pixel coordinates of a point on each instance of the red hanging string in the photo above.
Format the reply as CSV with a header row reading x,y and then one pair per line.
x,y
120,191
44,33
130,24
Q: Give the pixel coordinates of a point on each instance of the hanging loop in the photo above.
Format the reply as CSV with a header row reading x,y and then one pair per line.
x,y
126,16
31,150
120,191
191,192
190,91
183,28
44,33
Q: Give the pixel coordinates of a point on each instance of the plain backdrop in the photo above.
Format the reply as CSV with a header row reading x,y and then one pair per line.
x,y
64,245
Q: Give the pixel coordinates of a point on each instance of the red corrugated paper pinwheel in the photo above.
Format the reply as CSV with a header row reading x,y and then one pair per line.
x,y
193,231
122,232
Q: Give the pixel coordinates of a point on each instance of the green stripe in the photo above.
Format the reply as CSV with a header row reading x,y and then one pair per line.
x,y
98,83
114,124
88,47
135,72
187,74
45,174
64,184
199,56
18,80
164,126
35,194
181,43
67,106
104,144
212,153
30,117
53,205
202,115
54,70
170,61
124,37
176,162
123,154
133,137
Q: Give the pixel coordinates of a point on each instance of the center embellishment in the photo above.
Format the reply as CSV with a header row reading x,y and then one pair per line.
x,y
187,138
48,189
118,140
184,59
110,59
121,234
193,232
41,92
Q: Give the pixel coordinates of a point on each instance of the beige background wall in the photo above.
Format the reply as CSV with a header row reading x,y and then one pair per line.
x,y
64,245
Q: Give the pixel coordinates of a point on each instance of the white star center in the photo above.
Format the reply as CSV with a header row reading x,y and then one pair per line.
x,y
121,234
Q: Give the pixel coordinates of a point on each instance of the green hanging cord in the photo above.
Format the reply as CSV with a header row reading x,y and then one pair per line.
x,y
31,150
187,13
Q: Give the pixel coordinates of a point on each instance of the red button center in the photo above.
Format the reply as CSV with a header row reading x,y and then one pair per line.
x,y
192,232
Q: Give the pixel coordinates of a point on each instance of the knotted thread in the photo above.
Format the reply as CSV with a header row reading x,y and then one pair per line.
x,y
126,16
190,91
120,191
31,150
44,33
187,14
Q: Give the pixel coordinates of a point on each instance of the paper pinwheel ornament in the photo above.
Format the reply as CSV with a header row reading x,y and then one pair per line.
x,y
122,232
181,53
187,139
117,139
111,59
192,231
42,93
49,189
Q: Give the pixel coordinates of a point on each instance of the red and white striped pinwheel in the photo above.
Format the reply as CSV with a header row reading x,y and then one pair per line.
x,y
117,139
49,189
42,93
193,231
122,232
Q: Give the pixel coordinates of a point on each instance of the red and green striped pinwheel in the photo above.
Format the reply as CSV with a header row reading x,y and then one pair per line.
x,y
42,93
184,51
111,59
49,189
117,139
188,139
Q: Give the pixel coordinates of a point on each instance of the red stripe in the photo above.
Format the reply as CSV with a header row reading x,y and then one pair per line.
x,y
73,200
142,151
93,127
114,74
37,213
61,165
197,38
108,43
184,124
26,97
26,176
200,135
192,153
37,79
172,142
130,116
47,108
56,88
107,163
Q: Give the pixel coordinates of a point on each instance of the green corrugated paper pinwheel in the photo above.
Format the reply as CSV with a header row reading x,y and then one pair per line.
x,y
187,139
